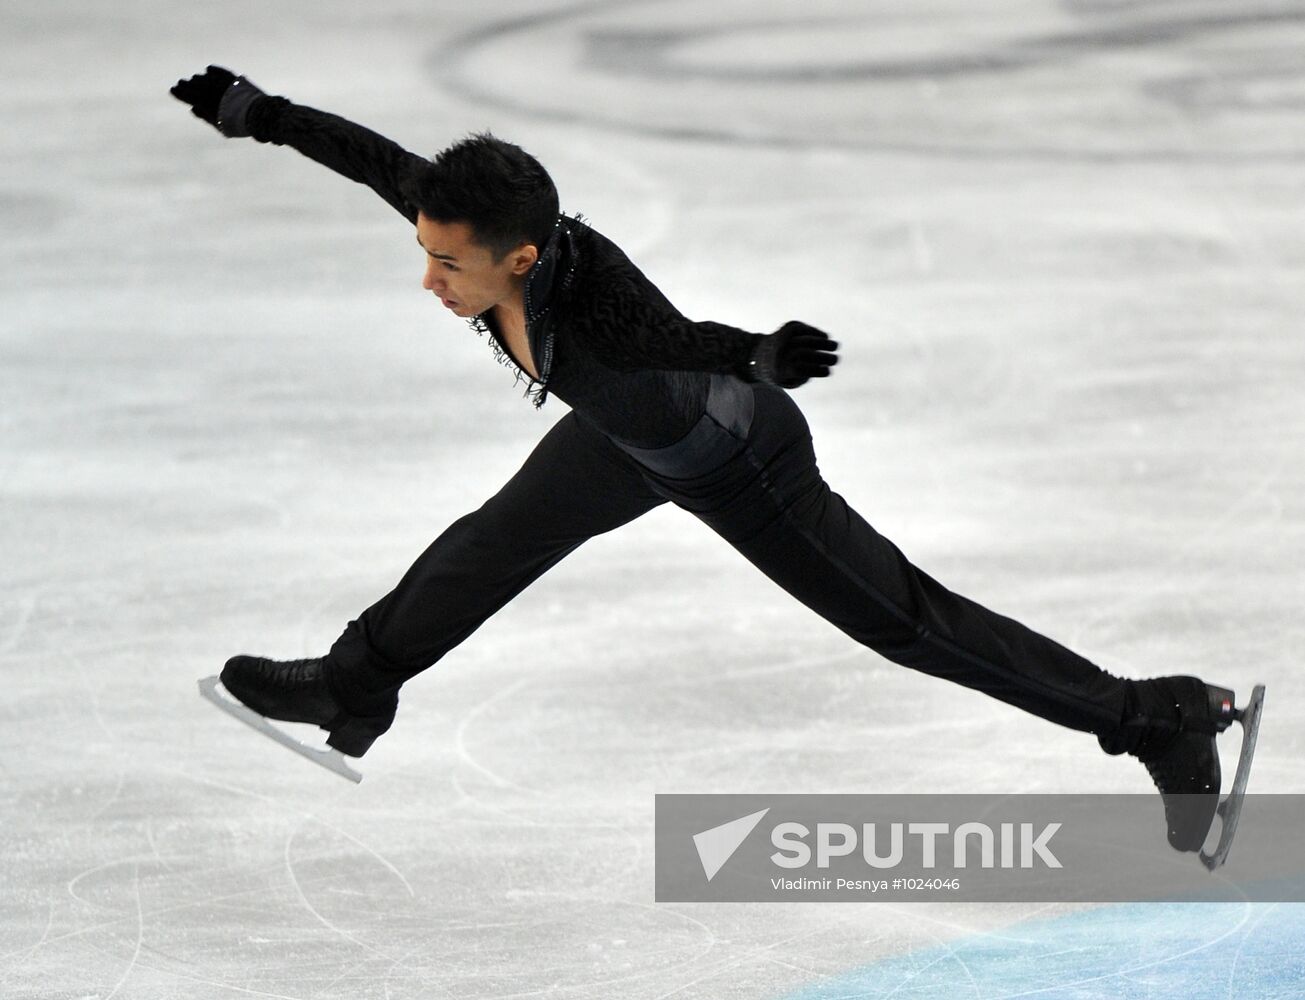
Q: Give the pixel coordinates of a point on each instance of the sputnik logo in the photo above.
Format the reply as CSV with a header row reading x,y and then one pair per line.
x,y
717,845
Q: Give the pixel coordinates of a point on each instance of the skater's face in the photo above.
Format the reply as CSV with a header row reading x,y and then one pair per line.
x,y
465,275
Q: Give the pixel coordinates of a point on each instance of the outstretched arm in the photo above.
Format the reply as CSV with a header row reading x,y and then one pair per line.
x,y
236,107
628,329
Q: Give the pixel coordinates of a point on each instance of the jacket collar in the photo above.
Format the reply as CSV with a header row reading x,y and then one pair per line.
x,y
553,272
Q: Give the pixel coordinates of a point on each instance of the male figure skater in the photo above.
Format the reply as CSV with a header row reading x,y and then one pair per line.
x,y
662,409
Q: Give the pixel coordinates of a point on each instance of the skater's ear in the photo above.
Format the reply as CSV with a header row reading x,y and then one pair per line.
x,y
522,258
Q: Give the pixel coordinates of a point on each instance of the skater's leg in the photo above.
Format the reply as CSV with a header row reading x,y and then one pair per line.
x,y
772,504
574,485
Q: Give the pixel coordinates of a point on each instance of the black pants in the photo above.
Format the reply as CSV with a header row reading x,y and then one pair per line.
x,y
748,470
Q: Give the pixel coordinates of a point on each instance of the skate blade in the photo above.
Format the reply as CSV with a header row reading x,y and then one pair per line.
x,y
1230,809
331,759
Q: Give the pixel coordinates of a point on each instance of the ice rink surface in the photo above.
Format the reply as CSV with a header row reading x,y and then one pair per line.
x,y
1062,246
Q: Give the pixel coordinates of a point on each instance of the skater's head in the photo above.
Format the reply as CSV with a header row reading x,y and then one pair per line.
x,y
502,192
486,209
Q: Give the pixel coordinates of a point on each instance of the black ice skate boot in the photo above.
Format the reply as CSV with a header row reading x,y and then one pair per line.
x,y
297,691
1170,726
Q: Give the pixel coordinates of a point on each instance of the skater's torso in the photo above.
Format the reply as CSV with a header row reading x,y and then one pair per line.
x,y
603,339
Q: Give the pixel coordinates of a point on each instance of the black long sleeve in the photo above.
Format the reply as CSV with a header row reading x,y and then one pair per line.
x,y
350,150
629,326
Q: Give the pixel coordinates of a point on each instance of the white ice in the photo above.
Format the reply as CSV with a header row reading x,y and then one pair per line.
x,y
1062,246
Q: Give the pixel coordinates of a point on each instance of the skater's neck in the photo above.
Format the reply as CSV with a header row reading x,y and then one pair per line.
x,y
511,312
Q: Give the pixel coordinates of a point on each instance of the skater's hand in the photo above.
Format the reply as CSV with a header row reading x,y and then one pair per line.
x,y
791,355
220,98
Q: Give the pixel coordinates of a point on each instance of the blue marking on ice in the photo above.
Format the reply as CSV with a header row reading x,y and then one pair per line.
x,y
1133,951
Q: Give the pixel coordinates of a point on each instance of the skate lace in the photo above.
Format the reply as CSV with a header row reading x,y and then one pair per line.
x,y
290,674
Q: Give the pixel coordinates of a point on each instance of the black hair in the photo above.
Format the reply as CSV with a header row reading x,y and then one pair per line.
x,y
502,192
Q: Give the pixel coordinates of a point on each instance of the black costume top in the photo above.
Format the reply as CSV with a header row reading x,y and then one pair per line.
x,y
604,339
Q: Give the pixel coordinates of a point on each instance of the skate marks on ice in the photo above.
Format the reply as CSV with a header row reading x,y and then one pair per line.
x,y
739,74
141,922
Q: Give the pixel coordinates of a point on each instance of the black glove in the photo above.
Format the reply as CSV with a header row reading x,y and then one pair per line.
x,y
220,98
791,355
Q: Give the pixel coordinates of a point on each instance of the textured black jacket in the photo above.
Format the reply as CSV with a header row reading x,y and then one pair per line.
x,y
603,338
